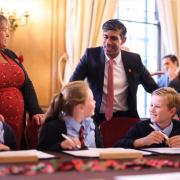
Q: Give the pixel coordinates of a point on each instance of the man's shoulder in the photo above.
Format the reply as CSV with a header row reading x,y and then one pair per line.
x,y
94,53
95,50
130,54
131,58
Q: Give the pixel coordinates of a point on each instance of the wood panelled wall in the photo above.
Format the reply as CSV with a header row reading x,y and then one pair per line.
x,y
42,42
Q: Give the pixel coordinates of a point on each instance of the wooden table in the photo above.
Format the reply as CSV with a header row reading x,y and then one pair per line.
x,y
107,175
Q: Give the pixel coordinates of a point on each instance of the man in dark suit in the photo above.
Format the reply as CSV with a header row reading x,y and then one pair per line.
x,y
171,74
128,73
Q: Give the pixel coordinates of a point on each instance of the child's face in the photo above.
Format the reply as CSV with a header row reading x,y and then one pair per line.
x,y
159,112
89,105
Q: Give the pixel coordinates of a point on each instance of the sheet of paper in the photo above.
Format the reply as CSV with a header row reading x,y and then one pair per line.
x,y
164,176
33,152
164,150
95,152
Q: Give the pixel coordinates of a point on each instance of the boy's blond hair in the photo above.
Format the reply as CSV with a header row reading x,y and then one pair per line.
x,y
172,96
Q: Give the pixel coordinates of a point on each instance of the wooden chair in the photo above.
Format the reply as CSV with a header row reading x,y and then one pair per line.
x,y
31,134
115,129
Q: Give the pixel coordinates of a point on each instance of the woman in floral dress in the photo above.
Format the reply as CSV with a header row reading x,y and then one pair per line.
x,y
17,94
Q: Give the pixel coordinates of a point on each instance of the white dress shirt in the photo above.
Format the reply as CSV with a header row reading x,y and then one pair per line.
x,y
120,85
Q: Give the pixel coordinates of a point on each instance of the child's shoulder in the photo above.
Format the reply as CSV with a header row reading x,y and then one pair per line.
x,y
88,122
54,122
176,122
143,122
5,126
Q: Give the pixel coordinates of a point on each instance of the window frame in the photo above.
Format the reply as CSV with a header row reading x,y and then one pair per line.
x,y
145,57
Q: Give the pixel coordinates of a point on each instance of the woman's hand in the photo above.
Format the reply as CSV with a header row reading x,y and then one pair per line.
x,y
1,117
174,141
39,118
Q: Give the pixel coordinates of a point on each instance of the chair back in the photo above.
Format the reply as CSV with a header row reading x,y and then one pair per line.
x,y
115,129
31,134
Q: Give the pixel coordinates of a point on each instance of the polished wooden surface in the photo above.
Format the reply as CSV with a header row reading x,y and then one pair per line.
x,y
106,175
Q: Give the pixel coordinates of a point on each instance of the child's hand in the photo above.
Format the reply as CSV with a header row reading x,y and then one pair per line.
x,y
4,147
74,144
155,137
1,117
174,141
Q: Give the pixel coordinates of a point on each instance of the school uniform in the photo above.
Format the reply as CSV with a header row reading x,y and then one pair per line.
x,y
142,129
51,133
7,136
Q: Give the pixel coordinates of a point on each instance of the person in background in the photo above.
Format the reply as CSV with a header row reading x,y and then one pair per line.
x,y
113,74
171,73
17,94
7,137
69,113
161,130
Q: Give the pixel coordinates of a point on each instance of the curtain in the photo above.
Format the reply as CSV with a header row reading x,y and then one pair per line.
x,y
169,15
84,20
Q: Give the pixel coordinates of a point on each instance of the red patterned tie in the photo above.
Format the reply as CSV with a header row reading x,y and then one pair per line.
x,y
81,136
110,92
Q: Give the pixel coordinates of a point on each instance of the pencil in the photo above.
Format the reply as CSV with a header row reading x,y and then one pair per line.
x,y
69,139
165,136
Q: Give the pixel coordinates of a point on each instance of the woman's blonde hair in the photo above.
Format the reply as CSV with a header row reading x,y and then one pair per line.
x,y
72,94
172,96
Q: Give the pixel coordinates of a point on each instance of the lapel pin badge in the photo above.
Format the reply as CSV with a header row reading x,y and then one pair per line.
x,y
129,70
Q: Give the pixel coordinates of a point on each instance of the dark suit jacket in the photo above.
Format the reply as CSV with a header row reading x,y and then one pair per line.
x,y
92,66
29,94
9,136
175,83
50,135
142,129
